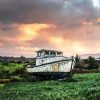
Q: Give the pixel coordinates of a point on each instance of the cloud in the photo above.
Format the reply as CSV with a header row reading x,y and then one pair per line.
x,y
19,51
96,3
67,25
30,31
29,11
21,32
25,37
48,36
65,13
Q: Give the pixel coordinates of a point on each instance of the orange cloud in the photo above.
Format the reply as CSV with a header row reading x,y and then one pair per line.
x,y
86,23
18,51
25,39
98,19
22,50
91,22
1,44
30,31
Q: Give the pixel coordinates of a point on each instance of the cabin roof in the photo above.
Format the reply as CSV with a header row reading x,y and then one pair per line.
x,y
48,51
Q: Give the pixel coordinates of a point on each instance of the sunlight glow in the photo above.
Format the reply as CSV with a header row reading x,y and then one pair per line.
x,y
96,3
68,46
98,19
30,31
78,48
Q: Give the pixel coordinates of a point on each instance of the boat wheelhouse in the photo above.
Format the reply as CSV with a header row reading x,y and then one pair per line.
x,y
51,64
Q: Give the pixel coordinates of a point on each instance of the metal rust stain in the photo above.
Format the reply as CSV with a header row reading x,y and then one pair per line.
x,y
55,67
63,66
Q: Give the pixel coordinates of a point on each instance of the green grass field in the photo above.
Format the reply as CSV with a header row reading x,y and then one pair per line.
x,y
82,87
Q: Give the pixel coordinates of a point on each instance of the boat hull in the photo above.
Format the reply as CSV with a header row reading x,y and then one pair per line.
x,y
59,70
52,75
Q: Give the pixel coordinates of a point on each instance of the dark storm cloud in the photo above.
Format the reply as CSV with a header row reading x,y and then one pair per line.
x,y
77,11
8,31
66,13
7,27
28,10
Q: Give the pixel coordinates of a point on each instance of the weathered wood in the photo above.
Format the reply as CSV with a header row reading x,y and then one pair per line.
x,y
71,72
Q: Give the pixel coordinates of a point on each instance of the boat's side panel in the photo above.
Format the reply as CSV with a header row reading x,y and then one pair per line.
x,y
63,66
44,60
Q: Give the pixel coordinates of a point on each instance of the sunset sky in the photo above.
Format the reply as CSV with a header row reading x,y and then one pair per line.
x,y
71,26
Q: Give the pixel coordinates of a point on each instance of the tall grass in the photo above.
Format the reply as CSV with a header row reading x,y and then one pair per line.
x,y
86,87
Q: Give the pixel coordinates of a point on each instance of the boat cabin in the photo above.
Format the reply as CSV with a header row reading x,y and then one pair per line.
x,y
47,53
47,56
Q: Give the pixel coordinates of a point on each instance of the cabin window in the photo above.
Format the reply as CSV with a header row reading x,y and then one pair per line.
x,y
46,53
42,60
53,53
59,54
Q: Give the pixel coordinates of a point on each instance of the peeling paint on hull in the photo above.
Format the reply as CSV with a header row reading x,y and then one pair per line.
x,y
63,66
52,70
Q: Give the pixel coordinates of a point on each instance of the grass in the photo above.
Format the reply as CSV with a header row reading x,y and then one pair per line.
x,y
84,87
11,67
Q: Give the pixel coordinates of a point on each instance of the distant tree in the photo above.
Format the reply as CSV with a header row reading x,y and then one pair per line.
x,y
22,59
5,62
19,62
93,64
86,61
78,62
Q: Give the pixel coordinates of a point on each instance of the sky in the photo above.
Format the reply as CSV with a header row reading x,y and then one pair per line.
x,y
70,26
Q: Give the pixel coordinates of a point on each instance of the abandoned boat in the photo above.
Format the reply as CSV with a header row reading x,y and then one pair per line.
x,y
51,64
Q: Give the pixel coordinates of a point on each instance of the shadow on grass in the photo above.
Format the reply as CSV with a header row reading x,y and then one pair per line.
x,y
35,79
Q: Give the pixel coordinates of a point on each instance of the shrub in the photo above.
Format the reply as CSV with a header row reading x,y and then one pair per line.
x,y
93,64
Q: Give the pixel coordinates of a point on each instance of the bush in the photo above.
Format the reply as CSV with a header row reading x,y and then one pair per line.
x,y
93,64
10,69
79,63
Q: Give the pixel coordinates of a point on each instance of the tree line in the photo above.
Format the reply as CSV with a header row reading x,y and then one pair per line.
x,y
88,63
15,66
19,60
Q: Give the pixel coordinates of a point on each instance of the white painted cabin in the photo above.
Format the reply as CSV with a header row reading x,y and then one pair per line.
x,y
47,56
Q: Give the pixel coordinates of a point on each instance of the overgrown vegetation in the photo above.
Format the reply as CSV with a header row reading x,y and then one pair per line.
x,y
90,63
15,87
14,66
10,69
84,87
